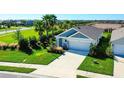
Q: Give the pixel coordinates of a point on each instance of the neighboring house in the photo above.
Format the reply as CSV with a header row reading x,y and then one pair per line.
x,y
79,38
117,40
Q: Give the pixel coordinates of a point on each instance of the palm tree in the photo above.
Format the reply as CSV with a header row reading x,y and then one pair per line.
x,y
49,22
46,24
53,21
39,28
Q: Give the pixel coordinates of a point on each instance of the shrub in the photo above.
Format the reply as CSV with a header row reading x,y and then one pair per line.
x,y
13,46
24,46
109,52
34,43
55,49
3,46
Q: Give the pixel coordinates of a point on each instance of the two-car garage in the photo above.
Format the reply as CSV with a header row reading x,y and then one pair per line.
x,y
79,45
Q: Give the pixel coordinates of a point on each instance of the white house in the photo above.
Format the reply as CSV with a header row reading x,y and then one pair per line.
x,y
117,40
79,38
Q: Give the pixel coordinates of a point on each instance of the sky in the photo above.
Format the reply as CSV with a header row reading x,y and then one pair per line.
x,y
65,16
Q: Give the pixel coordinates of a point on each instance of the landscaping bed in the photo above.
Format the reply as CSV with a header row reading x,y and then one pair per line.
x,y
16,69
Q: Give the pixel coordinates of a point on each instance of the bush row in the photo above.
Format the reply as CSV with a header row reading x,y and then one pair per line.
x,y
55,49
12,46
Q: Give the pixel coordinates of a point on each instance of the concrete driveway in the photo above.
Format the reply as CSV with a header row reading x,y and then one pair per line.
x,y
119,66
64,66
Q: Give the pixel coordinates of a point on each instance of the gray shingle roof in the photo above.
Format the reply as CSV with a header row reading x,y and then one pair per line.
x,y
117,34
90,31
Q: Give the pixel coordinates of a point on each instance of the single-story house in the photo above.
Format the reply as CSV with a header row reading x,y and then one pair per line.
x,y
79,38
117,40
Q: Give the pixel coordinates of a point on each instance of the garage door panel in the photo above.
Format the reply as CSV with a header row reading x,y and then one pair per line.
x,y
119,49
75,45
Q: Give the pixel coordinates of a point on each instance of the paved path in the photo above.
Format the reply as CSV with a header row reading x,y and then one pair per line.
x,y
9,31
118,69
91,74
64,66
5,74
22,65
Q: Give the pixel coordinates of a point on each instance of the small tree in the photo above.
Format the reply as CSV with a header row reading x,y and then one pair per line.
x,y
24,46
33,42
93,50
39,28
18,35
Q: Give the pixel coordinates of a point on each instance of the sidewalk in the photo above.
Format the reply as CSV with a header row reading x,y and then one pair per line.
x,y
91,74
22,65
118,69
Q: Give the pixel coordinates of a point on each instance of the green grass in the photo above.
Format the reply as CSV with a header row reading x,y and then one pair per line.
x,y
104,66
79,76
16,69
9,38
38,57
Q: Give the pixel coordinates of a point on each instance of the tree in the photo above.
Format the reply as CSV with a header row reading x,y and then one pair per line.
x,y
39,28
53,21
46,24
49,22
18,35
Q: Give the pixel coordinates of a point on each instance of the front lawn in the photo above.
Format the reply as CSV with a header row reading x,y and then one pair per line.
x,y
103,66
101,63
38,57
16,69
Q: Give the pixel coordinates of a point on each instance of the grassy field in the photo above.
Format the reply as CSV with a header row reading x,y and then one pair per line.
x,y
9,38
38,57
103,65
16,69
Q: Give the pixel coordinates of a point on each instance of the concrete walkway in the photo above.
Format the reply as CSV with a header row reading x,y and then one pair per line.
x,y
22,65
118,69
91,74
5,74
65,66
